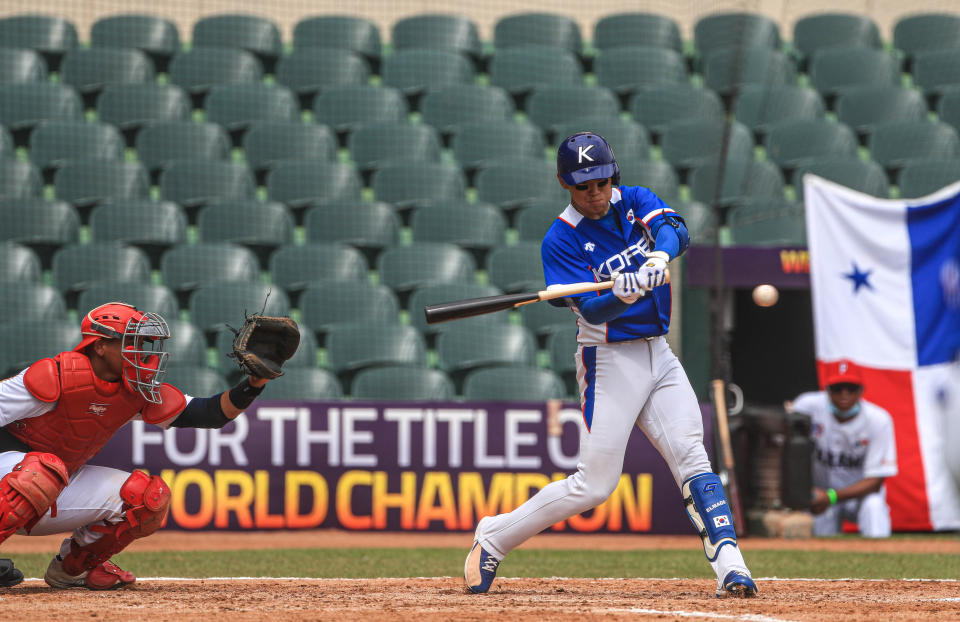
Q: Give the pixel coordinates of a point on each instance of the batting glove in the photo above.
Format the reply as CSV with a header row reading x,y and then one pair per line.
x,y
653,272
627,287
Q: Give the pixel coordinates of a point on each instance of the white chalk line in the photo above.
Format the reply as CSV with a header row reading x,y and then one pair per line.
x,y
710,615
509,579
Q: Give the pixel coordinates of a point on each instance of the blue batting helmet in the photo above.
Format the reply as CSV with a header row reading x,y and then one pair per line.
x,y
585,156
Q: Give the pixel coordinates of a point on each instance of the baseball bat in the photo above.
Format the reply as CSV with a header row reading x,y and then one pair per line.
x,y
459,309
726,449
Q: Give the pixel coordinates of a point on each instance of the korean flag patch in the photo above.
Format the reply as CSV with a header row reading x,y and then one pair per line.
x,y
721,521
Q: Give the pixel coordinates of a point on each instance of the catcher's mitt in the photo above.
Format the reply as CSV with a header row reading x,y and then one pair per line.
x,y
263,343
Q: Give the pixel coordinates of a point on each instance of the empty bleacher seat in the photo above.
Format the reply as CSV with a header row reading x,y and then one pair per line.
x,y
308,71
345,108
188,266
130,107
452,107
42,225
19,179
261,226
23,105
77,266
162,143
743,181
734,29
50,36
760,106
54,143
214,304
325,304
402,382
21,65
516,268
513,384
865,176
90,69
691,143
237,106
352,348
304,383
454,33
655,107
551,105
629,29
465,348
157,37
87,183
402,267
833,70
549,29
268,142
294,268
476,227
301,184
922,32
520,70
18,264
823,30
368,227
197,70
347,32
257,35
893,145
791,143
195,183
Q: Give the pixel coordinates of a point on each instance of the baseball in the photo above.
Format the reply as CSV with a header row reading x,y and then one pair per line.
x,y
765,295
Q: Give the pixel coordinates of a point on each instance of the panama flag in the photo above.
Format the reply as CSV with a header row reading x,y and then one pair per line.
x,y
885,284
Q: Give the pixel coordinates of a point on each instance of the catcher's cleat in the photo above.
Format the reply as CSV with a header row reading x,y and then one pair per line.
x,y
105,576
737,584
9,576
480,567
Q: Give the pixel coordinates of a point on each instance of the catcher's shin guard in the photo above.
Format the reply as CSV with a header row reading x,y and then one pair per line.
x,y
146,500
29,490
706,504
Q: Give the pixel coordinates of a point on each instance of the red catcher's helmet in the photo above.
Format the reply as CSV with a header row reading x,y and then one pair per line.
x,y
141,335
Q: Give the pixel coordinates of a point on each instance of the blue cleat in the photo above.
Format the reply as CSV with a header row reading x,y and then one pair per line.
x,y
737,584
480,568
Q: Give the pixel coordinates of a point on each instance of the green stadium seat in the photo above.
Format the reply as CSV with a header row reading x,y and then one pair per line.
x,y
629,139
629,29
515,182
513,384
345,108
88,183
823,30
368,227
301,383
545,319
195,183
147,296
699,220
550,106
378,144
922,177
416,72
302,184
77,266
743,180
452,33
833,70
305,356
24,105
187,345
18,264
625,69
21,65
463,349
199,69
922,32
521,70
893,145
54,143
351,348
152,226
936,72
294,268
42,225
533,220
734,29
268,142
257,35
655,107
213,305
948,109
19,180
50,36
562,347
189,266
692,143
131,107
325,304
156,37
36,301
23,342
195,380
88,70
401,268
657,175
865,176
409,185
345,32
162,143
778,225
402,383
261,226
476,227
308,71
516,268
451,108
726,70
237,106
479,144
7,150
548,29
759,106
449,292
791,143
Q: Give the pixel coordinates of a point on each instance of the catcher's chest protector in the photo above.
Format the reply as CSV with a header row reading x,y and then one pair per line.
x,y
87,414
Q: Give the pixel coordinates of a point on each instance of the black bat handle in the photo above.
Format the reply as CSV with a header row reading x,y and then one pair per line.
x,y
446,311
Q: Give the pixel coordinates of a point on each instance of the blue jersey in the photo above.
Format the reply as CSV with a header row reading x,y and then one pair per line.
x,y
577,249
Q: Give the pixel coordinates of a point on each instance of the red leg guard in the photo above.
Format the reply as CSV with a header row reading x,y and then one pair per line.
x,y
146,500
29,490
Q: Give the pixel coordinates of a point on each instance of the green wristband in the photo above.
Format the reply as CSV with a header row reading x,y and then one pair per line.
x,y
832,495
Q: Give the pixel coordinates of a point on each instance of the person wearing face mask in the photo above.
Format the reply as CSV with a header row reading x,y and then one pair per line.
x,y
854,452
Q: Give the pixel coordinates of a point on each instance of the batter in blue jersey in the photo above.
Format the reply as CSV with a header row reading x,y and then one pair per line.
x,y
626,372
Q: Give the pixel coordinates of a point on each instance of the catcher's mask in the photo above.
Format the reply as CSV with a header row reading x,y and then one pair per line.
x,y
141,336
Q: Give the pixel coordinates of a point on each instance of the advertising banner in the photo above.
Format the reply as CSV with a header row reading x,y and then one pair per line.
x,y
427,466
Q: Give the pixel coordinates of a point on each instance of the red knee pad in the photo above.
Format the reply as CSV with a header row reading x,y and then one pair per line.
x,y
29,490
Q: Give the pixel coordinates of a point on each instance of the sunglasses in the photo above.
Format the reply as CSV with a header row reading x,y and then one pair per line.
x,y
849,387
600,184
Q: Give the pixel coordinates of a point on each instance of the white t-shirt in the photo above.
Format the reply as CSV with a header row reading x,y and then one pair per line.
x,y
849,451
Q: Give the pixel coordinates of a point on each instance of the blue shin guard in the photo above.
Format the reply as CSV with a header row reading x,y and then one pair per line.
x,y
706,504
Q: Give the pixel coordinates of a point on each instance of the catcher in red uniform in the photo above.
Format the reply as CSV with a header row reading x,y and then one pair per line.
x,y
56,414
